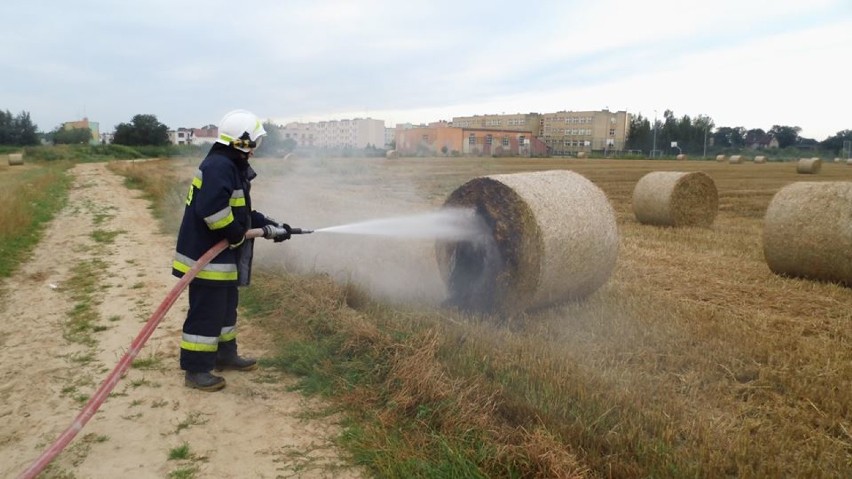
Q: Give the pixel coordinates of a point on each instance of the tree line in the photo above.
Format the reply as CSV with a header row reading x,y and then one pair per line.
x,y
698,135
693,136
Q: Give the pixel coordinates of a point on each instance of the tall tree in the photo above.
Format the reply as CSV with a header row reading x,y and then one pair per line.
x,y
142,130
17,130
27,130
786,135
835,142
727,137
71,136
639,134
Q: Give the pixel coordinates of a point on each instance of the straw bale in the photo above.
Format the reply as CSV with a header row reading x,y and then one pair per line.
x,y
849,162
721,158
16,159
837,160
392,154
807,231
680,157
676,198
736,159
549,236
582,154
808,166
760,159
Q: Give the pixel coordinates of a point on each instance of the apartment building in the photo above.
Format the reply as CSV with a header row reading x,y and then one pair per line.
x,y
357,133
569,132
564,132
181,136
93,126
530,122
441,140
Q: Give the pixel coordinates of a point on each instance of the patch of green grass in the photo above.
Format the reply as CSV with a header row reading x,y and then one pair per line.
x,y
185,472
105,236
83,318
30,200
194,418
180,452
149,363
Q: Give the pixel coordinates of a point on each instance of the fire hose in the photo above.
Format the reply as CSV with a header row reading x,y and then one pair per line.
x,y
123,365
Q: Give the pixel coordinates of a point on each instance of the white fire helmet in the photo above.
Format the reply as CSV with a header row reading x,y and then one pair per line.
x,y
241,129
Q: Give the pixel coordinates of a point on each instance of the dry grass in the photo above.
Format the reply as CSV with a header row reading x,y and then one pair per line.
x,y
700,354
30,195
694,360
165,180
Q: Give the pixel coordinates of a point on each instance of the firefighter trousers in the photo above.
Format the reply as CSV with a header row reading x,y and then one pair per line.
x,y
209,330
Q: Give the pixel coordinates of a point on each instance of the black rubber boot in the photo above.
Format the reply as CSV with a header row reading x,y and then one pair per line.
x,y
204,381
236,363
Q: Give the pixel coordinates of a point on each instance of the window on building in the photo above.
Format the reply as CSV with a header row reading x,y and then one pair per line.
x,y
488,139
505,141
522,140
426,138
612,132
472,139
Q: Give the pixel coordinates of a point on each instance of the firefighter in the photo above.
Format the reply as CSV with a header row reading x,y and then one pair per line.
x,y
218,205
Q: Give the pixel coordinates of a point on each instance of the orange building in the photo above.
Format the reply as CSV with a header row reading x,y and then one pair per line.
x,y
442,140
93,126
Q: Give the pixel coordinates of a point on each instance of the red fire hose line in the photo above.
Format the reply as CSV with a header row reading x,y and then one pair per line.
x,y
109,383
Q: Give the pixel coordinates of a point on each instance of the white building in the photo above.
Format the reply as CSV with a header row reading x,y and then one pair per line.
x,y
181,136
357,133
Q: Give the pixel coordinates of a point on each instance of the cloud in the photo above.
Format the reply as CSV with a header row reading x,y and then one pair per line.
x,y
738,61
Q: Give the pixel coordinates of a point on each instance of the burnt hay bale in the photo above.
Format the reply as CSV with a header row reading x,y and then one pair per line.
x,y
808,166
16,159
807,231
551,236
676,198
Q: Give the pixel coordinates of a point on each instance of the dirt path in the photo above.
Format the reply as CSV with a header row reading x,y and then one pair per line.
x,y
102,266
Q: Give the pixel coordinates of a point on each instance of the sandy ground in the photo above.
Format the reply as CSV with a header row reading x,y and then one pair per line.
x,y
254,428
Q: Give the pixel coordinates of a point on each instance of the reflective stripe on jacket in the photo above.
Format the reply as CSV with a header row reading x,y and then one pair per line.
x,y
218,206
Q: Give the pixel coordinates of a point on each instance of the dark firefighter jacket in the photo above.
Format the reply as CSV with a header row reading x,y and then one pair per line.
x,y
218,206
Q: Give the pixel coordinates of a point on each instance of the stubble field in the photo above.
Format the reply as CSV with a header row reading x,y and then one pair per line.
x,y
694,359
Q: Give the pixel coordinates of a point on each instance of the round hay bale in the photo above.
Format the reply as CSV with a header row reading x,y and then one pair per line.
x,y
680,157
549,236
849,162
676,198
808,166
16,159
736,159
582,154
392,154
760,159
721,158
807,233
837,160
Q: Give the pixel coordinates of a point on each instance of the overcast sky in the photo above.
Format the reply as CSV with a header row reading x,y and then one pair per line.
x,y
749,63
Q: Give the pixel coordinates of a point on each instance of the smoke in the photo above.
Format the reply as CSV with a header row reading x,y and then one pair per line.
x,y
375,230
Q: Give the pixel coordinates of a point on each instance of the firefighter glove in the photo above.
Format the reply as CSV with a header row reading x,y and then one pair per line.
x,y
275,233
